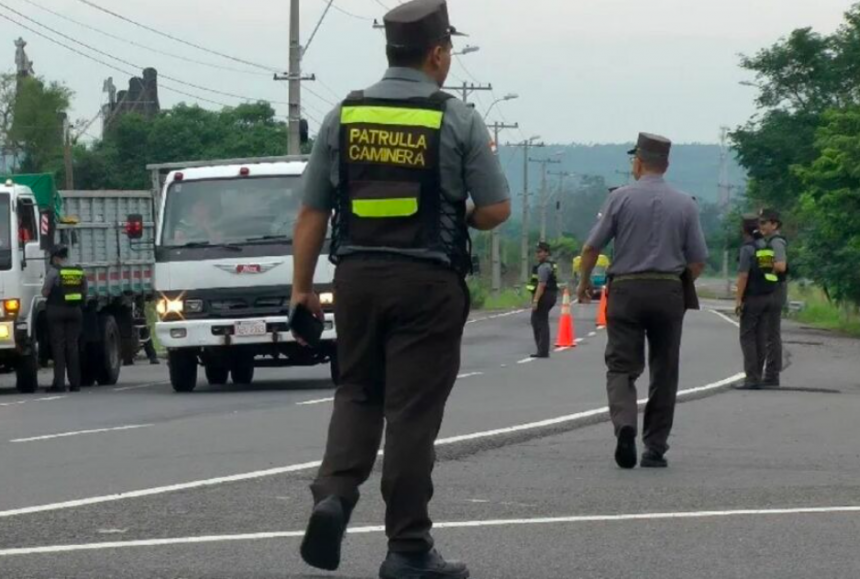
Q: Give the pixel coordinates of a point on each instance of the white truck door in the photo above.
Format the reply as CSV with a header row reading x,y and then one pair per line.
x,y
28,240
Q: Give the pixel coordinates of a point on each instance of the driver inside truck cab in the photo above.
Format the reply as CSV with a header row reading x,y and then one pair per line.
x,y
198,226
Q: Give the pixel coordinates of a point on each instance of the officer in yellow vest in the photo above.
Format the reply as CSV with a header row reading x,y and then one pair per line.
x,y
65,288
406,169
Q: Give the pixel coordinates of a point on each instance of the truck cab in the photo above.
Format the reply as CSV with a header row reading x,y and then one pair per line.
x,y
22,272
224,267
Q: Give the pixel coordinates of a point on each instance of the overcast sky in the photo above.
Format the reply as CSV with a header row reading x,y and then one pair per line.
x,y
586,70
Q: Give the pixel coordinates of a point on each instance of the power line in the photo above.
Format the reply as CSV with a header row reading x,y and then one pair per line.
x,y
137,66
317,27
383,5
348,13
107,64
139,44
174,38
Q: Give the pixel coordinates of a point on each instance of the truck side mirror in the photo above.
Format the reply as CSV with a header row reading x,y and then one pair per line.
x,y
134,226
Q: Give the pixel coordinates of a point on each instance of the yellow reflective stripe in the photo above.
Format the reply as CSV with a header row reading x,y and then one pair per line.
x,y
391,116
771,277
74,297
378,208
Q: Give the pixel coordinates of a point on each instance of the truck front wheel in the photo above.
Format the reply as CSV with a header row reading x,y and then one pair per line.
x,y
108,370
183,370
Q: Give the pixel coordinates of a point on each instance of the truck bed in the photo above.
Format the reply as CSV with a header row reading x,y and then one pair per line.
x,y
115,265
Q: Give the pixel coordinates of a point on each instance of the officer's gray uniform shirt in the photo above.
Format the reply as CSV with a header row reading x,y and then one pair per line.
x,y
468,165
544,272
656,228
747,255
780,255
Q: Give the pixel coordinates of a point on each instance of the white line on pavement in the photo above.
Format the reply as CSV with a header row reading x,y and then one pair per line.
x,y
469,375
312,402
592,334
46,399
315,464
676,516
80,432
495,316
139,386
726,318
526,360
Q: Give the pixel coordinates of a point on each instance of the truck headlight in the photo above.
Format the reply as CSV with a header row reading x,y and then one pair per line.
x,y
327,298
166,306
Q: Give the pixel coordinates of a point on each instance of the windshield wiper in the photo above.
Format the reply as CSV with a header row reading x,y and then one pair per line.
x,y
198,244
269,238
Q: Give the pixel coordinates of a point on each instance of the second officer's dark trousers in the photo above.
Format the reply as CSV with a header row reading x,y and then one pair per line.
x,y
640,310
400,326
756,318
64,327
540,322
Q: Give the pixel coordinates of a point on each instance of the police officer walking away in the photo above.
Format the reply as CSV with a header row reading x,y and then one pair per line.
x,y
659,252
396,163
65,288
544,289
770,223
755,302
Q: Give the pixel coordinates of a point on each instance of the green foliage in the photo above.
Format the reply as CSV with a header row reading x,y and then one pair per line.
x,y
506,300
183,133
822,313
36,131
803,150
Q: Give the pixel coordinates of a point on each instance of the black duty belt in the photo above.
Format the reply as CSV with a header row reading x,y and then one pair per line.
x,y
647,276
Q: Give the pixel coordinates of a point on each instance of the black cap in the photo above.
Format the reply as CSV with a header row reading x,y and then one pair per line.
x,y
652,147
544,246
418,24
770,215
60,251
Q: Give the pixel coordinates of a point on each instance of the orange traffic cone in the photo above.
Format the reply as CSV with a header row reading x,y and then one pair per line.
x,y
566,331
601,310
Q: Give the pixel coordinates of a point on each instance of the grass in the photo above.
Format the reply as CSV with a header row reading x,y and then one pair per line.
x,y
506,300
818,312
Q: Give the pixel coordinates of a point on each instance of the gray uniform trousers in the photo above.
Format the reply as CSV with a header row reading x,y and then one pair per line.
x,y
773,357
640,310
756,320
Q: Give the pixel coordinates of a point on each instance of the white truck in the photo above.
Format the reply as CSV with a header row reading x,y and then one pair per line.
x,y
224,267
119,271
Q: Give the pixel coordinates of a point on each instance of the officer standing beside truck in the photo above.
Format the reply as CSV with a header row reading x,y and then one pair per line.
x,y
396,163
65,288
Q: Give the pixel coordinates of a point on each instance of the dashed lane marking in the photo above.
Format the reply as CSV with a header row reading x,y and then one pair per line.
x,y
82,432
313,402
526,360
496,316
469,375
579,519
45,399
254,475
140,386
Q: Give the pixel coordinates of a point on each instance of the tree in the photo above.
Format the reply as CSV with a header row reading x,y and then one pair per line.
x,y
830,206
37,125
8,83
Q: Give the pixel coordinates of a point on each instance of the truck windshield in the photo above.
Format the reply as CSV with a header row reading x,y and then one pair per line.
x,y
5,232
231,211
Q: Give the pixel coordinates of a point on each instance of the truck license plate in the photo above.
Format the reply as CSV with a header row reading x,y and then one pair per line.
x,y
254,328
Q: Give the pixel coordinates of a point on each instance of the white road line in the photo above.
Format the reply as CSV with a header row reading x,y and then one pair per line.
x,y
316,464
592,334
139,386
312,402
633,517
562,349
580,340
469,375
80,432
495,316
526,360
726,318
46,399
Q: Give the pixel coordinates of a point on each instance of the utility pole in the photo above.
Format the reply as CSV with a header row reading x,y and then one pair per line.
x,y
725,200
468,88
495,235
526,145
67,154
295,78
543,193
562,175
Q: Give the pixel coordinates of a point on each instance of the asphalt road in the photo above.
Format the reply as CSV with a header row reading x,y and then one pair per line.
x,y
145,483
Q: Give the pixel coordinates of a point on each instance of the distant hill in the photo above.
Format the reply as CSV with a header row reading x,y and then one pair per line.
x,y
695,167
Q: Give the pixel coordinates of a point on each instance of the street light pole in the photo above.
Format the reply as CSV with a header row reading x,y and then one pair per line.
x,y
526,145
507,97
495,235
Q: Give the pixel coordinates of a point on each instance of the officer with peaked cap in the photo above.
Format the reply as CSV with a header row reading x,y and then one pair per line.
x,y
406,169
65,288
659,251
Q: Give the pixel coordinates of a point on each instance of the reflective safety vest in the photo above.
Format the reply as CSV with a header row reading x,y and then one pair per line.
x,y
71,288
762,279
390,193
551,283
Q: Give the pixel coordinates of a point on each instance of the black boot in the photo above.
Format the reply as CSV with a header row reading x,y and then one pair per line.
x,y
652,459
323,538
625,451
429,565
